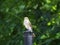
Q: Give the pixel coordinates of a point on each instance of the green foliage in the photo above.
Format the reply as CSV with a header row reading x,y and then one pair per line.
x,y
43,14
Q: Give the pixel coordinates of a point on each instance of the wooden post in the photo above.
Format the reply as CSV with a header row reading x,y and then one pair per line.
x,y
28,38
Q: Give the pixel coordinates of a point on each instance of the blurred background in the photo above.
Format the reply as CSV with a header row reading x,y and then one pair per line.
x,y
43,14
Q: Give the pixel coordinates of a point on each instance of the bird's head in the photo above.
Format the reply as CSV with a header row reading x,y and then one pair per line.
x,y
26,18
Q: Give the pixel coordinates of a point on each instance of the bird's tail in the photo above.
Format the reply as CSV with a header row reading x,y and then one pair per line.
x,y
30,29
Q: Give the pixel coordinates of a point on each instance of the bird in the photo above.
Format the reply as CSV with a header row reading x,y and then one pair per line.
x,y
28,25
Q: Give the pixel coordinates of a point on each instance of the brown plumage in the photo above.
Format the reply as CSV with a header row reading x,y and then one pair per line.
x,y
28,25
